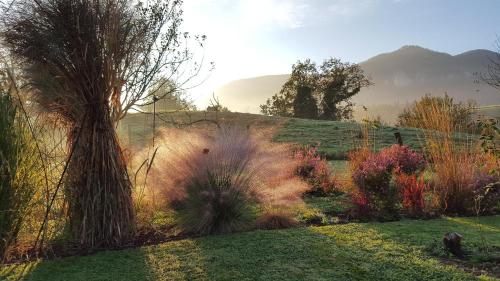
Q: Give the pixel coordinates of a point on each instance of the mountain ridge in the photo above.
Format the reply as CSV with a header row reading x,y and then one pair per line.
x,y
400,76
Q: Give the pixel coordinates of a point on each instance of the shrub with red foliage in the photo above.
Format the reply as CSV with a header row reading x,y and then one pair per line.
x,y
315,171
413,193
373,176
404,159
361,206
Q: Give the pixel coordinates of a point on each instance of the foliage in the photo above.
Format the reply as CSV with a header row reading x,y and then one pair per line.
x,y
333,84
453,163
419,114
453,182
217,184
362,208
374,173
404,159
304,104
486,193
413,192
304,76
355,251
20,174
490,136
167,97
338,83
88,63
373,177
314,170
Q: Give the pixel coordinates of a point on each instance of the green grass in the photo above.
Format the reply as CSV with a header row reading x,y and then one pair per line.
x,y
136,129
336,138
333,204
371,251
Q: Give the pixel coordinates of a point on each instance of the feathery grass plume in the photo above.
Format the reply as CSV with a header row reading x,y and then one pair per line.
x,y
218,184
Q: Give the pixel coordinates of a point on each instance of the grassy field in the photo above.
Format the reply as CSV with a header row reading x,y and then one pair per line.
x,y
335,138
372,251
136,129
489,111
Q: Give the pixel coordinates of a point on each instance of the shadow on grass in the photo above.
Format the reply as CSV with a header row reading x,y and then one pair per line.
x,y
375,251
346,252
170,261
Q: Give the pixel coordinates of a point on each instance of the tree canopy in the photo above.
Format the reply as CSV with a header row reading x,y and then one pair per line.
x,y
333,84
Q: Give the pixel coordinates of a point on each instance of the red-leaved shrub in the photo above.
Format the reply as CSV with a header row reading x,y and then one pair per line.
x,y
374,175
404,159
315,170
413,193
361,206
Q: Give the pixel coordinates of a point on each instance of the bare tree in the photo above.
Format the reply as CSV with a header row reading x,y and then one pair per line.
x,y
89,62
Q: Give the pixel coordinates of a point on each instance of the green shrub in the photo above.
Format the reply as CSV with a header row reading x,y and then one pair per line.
x,y
19,176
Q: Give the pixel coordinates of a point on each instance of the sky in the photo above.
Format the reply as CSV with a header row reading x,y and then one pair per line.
x,y
248,38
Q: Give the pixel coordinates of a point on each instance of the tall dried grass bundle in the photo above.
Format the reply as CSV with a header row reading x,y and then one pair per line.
x,y
75,52
218,184
89,62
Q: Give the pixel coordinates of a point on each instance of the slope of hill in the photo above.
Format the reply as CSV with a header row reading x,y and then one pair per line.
x,y
400,77
336,138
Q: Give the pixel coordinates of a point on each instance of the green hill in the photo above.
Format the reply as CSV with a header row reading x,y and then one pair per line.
x,y
335,138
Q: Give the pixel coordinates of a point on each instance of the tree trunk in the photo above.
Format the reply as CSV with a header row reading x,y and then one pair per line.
x,y
99,190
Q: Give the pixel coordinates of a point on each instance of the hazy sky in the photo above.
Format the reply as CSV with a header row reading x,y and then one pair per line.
x,y
249,38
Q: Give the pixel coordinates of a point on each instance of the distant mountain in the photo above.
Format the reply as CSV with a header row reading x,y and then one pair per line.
x,y
400,77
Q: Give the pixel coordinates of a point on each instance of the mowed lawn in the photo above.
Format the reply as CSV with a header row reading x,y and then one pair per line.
x,y
337,138
371,251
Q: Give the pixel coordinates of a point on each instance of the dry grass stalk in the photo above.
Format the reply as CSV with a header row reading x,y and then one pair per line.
x,y
453,162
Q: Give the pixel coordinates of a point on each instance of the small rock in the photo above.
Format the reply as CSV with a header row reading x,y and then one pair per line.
x,y
452,243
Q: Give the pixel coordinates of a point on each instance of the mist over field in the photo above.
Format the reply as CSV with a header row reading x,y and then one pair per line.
x,y
400,77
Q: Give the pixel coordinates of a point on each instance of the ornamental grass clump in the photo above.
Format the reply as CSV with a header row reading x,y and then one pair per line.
x,y
222,183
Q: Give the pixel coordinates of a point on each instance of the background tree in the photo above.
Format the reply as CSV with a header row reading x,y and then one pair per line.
x,y
89,62
419,113
169,98
338,83
304,104
334,84
304,75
